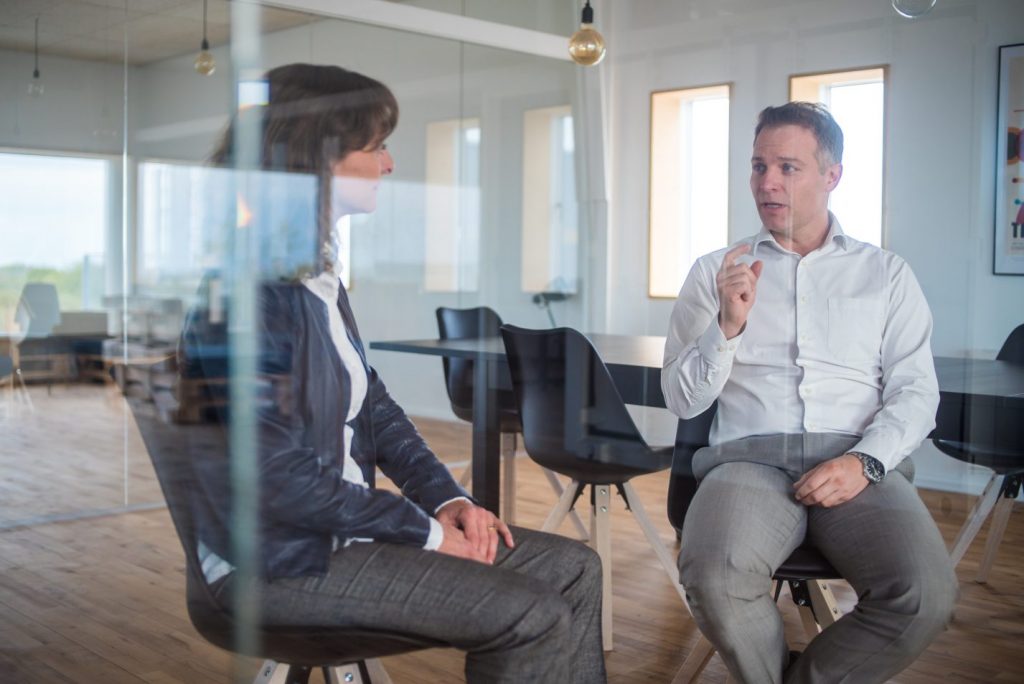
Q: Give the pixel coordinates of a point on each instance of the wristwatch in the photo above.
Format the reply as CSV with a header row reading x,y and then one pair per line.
x,y
874,471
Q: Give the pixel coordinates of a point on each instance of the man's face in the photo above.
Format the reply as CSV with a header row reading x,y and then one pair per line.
x,y
788,183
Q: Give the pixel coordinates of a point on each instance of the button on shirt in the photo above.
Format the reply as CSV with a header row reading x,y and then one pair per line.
x,y
837,341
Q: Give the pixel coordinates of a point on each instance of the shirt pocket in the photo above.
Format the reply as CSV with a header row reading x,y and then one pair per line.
x,y
855,328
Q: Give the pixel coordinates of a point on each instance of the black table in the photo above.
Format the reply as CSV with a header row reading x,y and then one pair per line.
x,y
973,392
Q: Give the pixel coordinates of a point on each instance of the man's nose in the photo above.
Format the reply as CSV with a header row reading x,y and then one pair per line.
x,y
771,179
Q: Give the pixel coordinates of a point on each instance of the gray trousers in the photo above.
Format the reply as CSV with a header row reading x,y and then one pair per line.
x,y
534,616
744,522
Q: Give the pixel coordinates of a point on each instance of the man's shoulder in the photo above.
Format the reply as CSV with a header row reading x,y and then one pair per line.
x,y
874,253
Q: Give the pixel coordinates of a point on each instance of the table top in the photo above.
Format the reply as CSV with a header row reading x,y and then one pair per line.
x,y
956,375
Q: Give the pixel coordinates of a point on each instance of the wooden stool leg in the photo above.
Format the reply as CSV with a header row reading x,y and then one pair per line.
x,y
995,535
600,533
696,661
982,507
508,477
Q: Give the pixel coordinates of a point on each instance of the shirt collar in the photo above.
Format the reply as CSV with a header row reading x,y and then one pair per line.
x,y
835,234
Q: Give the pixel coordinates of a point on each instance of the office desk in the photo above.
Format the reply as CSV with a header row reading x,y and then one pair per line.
x,y
973,392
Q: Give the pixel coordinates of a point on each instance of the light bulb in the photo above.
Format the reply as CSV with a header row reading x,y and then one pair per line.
x,y
586,47
911,9
205,64
35,86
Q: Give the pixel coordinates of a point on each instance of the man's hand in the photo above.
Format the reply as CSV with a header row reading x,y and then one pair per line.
x,y
480,527
737,286
831,483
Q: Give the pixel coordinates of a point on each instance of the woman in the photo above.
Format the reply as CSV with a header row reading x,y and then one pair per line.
x,y
333,549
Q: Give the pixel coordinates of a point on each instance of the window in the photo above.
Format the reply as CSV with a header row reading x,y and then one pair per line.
x,y
453,206
189,216
689,187
46,239
550,211
857,102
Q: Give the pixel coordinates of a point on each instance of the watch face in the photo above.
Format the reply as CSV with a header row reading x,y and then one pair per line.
x,y
872,468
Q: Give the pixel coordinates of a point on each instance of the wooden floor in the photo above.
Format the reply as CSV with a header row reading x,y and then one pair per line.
x,y
100,599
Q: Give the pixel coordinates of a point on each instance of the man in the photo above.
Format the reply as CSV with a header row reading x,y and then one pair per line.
x,y
816,347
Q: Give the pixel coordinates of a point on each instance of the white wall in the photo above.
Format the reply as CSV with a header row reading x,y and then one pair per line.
x,y
940,142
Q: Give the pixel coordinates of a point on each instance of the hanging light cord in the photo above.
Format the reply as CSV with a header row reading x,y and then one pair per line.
x,y
206,43
35,71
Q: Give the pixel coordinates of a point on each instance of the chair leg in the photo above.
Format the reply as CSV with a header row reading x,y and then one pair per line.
x,y
508,477
1008,494
816,603
272,672
982,507
557,488
826,610
562,508
601,536
467,476
365,672
636,507
698,659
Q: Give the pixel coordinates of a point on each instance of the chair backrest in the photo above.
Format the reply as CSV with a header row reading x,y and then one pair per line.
x,y
691,434
184,458
1013,348
38,309
6,365
460,324
573,416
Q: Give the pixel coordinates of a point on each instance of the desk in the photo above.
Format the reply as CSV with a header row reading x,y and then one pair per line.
x,y
972,391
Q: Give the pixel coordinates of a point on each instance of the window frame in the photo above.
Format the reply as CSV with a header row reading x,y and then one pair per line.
x,y
884,68
729,87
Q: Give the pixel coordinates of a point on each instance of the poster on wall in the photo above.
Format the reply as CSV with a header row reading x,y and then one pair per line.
x,y
1009,238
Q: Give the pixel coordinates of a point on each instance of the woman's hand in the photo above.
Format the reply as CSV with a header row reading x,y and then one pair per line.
x,y
479,526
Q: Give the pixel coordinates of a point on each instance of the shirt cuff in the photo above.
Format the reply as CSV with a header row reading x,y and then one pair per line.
x,y
454,498
874,445
435,537
713,346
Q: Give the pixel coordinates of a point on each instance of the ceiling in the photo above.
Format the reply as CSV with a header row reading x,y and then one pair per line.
x,y
101,30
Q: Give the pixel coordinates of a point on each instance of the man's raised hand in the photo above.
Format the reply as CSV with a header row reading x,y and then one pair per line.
x,y
737,287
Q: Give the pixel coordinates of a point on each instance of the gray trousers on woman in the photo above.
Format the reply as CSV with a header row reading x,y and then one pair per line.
x,y
744,522
534,616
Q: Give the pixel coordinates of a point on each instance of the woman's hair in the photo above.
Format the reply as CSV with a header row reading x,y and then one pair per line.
x,y
314,116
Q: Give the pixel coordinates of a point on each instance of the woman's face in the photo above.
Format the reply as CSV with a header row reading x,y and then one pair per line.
x,y
356,177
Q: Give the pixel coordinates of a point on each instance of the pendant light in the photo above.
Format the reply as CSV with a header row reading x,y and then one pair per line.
x,y
586,47
912,9
35,86
205,63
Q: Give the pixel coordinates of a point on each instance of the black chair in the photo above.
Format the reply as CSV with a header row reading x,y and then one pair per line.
x,y
182,455
576,424
482,321
996,442
805,571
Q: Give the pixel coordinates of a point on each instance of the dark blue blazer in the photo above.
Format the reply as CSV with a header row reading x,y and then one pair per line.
x,y
302,397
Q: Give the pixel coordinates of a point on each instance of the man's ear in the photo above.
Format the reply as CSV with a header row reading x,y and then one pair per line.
x,y
832,175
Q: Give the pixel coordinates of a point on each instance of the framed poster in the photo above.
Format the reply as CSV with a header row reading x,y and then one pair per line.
x,y
1009,227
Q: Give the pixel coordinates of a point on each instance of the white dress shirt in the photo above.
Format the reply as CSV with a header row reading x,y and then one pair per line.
x,y
837,341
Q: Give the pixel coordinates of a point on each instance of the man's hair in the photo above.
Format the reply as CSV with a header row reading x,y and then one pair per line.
x,y
815,118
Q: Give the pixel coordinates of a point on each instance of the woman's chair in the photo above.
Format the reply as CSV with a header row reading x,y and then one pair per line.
x,y
180,453
996,442
805,571
576,424
482,321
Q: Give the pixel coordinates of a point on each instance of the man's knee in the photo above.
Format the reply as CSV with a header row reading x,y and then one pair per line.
x,y
712,576
921,602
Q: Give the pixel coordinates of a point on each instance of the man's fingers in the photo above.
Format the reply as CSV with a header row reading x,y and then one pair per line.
x,y
732,254
757,267
505,533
